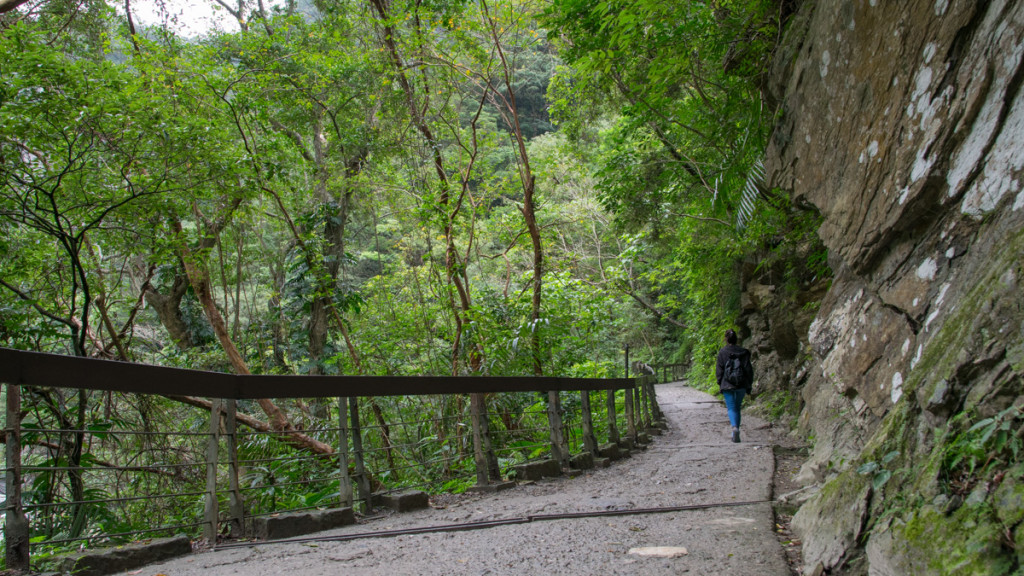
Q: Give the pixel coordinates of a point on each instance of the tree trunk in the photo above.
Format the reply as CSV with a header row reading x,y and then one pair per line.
x,y
200,279
456,273
538,269
75,476
168,310
509,110
325,273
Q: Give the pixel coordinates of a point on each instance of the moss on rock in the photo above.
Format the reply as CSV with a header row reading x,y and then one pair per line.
x,y
1008,499
832,523
966,542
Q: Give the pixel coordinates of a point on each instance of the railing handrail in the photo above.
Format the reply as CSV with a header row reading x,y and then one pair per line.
x,y
19,368
22,367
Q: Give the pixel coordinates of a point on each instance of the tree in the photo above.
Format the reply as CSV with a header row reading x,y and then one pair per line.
x,y
316,87
686,77
680,84
75,154
450,196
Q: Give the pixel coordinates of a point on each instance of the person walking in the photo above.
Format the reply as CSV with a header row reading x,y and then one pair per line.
x,y
735,375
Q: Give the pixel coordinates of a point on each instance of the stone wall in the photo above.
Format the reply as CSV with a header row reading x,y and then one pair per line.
x,y
903,123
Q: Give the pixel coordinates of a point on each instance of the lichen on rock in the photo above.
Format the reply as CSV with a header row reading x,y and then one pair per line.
x,y
914,121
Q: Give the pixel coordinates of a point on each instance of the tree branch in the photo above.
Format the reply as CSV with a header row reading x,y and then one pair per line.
x,y
295,137
660,314
103,463
703,219
8,5
34,304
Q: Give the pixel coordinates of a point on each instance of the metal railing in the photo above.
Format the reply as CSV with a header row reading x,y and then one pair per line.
x,y
673,372
196,472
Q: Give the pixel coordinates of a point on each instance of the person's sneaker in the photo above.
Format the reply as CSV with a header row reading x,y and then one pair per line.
x,y
735,434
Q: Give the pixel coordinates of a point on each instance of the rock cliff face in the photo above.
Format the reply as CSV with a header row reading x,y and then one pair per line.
x,y
903,123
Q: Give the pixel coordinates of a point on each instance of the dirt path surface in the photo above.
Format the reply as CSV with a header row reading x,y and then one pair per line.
x,y
730,530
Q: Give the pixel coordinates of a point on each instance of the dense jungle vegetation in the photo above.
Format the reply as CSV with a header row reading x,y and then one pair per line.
x,y
378,187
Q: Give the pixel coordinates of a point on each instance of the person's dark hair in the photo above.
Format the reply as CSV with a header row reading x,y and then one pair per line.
x,y
730,336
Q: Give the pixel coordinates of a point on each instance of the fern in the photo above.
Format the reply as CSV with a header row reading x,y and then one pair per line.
x,y
752,190
714,196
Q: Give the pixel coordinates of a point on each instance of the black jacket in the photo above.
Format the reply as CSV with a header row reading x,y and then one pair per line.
x,y
724,354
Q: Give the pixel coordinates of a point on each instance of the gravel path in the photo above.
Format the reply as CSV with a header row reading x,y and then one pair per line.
x,y
693,464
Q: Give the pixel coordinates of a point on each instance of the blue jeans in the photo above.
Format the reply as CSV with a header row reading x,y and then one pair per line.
x,y
733,403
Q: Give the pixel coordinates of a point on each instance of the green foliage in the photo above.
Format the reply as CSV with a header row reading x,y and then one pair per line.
x,y
777,405
326,201
878,471
684,76
989,447
457,485
679,154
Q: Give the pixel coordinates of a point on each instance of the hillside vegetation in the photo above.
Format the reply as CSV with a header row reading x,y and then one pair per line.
x,y
384,188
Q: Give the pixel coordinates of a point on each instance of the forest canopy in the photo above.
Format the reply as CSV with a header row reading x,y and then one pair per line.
x,y
372,187
382,187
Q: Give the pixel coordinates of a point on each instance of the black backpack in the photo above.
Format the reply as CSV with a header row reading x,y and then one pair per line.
x,y
734,373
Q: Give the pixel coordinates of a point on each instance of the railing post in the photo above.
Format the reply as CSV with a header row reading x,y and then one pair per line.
x,y
16,532
629,396
643,422
559,451
638,402
362,481
649,402
479,458
640,392
344,479
652,402
493,467
589,440
212,449
630,413
236,504
641,404
613,427
486,461
656,414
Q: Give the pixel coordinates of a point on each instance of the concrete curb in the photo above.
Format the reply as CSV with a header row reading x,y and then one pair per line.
x,y
128,557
